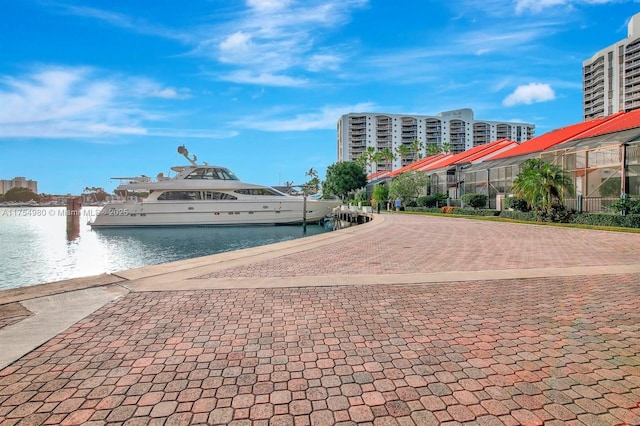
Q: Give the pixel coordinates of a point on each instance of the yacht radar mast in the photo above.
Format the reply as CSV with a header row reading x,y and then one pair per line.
x,y
184,151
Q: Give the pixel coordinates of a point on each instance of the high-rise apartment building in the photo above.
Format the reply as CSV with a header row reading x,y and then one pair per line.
x,y
458,128
611,78
18,182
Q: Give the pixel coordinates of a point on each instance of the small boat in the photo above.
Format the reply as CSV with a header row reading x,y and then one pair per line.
x,y
205,195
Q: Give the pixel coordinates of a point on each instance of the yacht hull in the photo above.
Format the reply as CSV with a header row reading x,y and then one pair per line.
x,y
212,213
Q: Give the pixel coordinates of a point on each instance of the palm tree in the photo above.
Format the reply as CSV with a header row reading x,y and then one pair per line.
x,y
362,160
377,158
432,149
403,151
313,185
541,184
446,147
366,157
416,146
386,155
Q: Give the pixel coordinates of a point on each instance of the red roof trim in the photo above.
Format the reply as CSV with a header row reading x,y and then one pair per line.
x,y
417,165
553,137
491,151
618,122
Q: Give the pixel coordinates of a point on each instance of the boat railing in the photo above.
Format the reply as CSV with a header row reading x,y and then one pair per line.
x,y
134,179
127,200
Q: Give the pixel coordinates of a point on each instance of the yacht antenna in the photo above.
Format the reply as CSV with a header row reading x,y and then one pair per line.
x,y
184,151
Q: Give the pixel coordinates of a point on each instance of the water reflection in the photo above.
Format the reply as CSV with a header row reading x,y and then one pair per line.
x,y
180,243
45,244
73,227
73,213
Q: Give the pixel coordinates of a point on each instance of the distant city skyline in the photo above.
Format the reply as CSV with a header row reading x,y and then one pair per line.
x,y
93,91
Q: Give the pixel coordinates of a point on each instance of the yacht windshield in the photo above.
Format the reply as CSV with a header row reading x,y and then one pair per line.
x,y
258,191
212,173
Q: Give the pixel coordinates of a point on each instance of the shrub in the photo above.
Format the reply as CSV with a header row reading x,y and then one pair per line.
x,y
626,205
593,219
431,200
516,204
606,219
477,201
632,221
517,215
447,209
361,196
556,213
424,209
381,193
476,212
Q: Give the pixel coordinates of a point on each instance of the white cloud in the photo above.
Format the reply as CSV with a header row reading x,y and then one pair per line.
x,y
170,93
192,133
536,6
413,65
58,102
53,94
274,37
322,62
530,93
269,37
507,37
267,4
122,21
236,48
263,79
325,118
145,88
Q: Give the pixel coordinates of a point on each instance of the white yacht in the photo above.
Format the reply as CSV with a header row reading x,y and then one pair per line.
x,y
201,194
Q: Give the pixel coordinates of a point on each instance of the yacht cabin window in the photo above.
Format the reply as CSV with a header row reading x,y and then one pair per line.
x,y
212,173
215,195
258,191
194,195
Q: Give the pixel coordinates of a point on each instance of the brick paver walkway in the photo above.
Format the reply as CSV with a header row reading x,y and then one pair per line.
x,y
437,244
516,352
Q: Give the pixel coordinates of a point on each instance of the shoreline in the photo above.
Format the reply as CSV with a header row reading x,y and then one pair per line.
x,y
18,294
44,249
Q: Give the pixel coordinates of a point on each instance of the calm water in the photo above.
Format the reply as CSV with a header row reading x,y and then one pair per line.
x,y
35,246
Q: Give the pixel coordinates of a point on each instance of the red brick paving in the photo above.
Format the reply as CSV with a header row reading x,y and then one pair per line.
x,y
507,352
435,244
532,350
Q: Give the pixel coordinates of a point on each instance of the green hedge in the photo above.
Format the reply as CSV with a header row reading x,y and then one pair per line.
x,y
605,219
476,212
477,201
528,216
455,210
432,200
423,209
593,219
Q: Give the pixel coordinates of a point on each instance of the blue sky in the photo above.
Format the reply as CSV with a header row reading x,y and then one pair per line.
x,y
90,90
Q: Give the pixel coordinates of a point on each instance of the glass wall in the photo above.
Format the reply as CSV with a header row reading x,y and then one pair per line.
x,y
476,182
597,173
633,170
